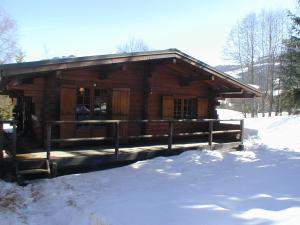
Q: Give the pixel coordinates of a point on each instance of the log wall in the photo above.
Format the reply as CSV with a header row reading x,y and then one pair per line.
x,y
145,95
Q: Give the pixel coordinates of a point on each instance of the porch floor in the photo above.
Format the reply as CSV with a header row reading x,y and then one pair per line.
x,y
101,151
102,155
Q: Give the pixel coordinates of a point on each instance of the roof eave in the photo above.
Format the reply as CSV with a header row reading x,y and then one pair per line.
x,y
16,69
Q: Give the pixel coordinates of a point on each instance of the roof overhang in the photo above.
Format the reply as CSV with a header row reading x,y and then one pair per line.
x,y
43,66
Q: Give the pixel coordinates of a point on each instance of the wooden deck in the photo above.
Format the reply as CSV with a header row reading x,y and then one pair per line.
x,y
116,151
94,157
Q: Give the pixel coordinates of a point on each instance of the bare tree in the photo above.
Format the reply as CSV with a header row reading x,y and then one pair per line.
x,y
133,45
242,48
255,43
20,56
8,37
274,29
8,52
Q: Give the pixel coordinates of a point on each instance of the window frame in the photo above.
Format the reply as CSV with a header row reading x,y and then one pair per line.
x,y
184,107
92,115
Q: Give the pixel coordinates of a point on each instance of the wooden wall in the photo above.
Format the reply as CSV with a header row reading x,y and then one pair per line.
x,y
166,84
46,90
130,78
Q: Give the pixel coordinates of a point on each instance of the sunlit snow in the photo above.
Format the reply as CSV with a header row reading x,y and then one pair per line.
x,y
257,186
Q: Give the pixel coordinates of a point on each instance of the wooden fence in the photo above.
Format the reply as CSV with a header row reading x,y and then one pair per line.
x,y
116,137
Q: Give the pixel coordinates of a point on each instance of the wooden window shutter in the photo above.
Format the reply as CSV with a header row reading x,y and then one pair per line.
x,y
67,110
120,103
202,108
168,107
121,108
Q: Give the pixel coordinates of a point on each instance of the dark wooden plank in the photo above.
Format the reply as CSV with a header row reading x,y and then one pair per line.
x,y
226,131
140,121
210,138
80,139
33,171
170,139
48,141
242,132
117,138
14,141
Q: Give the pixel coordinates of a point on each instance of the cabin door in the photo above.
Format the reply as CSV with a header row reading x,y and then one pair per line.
x,y
120,107
23,112
67,110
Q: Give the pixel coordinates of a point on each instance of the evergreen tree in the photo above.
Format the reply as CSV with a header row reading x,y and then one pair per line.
x,y
290,69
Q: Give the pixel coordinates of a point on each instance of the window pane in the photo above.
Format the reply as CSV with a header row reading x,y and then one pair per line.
x,y
184,108
83,110
177,108
100,103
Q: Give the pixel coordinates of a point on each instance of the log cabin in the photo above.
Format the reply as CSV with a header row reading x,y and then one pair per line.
x,y
146,87
152,85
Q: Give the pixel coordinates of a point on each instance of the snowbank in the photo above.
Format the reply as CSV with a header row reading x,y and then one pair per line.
x,y
226,114
276,132
257,186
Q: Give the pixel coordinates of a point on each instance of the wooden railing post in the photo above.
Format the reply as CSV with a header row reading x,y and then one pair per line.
x,y
210,137
14,144
117,138
242,134
170,139
1,140
48,140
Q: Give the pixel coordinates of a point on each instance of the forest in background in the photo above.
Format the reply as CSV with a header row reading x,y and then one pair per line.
x,y
265,50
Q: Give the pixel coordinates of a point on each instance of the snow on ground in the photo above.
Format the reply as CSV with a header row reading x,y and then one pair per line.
x,y
257,186
7,127
226,114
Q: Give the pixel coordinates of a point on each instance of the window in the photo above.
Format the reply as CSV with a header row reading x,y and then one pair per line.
x,y
100,104
83,109
92,104
184,108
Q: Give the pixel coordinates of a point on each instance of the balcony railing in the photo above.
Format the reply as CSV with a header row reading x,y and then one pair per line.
x,y
116,137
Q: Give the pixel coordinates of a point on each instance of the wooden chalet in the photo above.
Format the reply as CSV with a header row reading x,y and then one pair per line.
x,y
118,97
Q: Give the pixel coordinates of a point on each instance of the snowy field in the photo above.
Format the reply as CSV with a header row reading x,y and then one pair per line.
x,y
260,185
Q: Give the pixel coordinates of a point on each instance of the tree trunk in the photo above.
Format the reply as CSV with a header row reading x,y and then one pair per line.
x,y
263,102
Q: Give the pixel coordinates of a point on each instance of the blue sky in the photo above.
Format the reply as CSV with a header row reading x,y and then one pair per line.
x,y
54,28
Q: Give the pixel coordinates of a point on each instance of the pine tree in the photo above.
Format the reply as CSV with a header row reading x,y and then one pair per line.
x,y
290,70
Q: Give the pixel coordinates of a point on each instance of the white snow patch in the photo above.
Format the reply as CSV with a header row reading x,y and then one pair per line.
x,y
285,216
257,186
276,132
7,128
254,85
236,73
226,114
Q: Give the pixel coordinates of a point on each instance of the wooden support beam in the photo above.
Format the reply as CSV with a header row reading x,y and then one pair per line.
x,y
232,92
117,139
184,77
170,139
242,135
80,139
210,138
137,121
48,140
148,69
14,143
